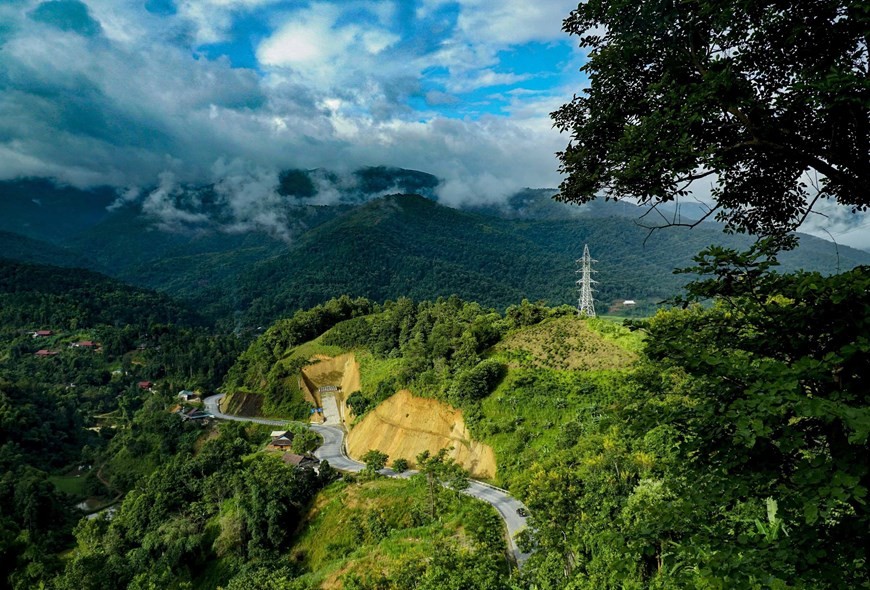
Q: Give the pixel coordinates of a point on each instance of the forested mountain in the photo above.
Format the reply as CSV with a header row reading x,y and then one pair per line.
x,y
44,210
381,248
24,249
34,295
408,245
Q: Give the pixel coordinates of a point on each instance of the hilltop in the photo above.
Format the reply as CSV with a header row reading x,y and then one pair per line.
x,y
417,377
34,295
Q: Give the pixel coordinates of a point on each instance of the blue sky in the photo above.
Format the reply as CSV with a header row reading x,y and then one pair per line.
x,y
132,93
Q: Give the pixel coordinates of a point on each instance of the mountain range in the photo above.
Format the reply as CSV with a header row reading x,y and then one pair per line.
x,y
363,240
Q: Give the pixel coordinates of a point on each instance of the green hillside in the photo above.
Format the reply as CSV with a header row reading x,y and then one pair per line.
x,y
400,245
51,297
542,366
712,447
410,246
21,248
45,210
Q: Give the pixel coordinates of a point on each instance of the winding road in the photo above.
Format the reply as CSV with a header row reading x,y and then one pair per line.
x,y
333,450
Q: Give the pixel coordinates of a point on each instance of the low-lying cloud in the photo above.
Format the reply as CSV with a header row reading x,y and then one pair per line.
x,y
98,92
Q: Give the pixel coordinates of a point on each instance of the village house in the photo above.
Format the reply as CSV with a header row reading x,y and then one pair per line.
x,y
147,385
186,395
44,353
89,344
42,333
281,440
301,461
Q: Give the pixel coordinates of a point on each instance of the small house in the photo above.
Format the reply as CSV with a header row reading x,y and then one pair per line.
x,y
42,333
147,385
282,442
44,353
629,302
186,395
89,344
301,461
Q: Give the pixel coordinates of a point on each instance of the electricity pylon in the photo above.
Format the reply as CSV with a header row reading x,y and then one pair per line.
x,y
586,303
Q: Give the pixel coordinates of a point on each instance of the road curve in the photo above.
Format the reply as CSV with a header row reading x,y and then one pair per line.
x,y
333,450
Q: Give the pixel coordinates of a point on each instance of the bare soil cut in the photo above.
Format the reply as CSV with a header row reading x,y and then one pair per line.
x,y
404,426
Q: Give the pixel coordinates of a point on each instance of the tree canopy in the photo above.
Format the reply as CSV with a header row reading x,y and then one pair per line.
x,y
770,101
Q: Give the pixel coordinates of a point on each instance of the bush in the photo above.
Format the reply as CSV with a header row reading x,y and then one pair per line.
x,y
375,460
400,465
475,384
359,403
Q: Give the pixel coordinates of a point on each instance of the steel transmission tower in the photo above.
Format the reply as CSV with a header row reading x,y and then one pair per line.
x,y
586,303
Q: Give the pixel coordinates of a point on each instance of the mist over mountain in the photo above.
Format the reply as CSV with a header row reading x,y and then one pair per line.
x,y
250,250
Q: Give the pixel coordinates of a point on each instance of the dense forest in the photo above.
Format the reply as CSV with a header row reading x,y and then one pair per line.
x,y
78,427
381,248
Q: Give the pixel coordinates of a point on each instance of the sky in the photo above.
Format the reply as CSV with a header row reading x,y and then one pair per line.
x,y
129,93
160,93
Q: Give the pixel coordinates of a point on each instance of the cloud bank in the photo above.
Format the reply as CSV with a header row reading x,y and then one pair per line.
x,y
154,96
140,95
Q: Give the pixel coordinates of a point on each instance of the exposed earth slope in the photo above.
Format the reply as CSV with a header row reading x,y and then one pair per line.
x,y
404,426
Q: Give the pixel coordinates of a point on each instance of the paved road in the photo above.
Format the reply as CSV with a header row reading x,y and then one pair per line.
x,y
332,450
212,405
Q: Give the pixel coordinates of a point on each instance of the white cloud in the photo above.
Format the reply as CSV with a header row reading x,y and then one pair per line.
x,y
485,27
212,19
161,204
306,41
137,106
482,79
833,221
319,51
513,22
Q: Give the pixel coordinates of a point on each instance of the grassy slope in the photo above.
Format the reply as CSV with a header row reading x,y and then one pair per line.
x,y
564,343
337,538
536,408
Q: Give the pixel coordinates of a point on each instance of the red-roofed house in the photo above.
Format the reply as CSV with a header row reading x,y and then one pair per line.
x,y
145,385
44,352
42,333
85,344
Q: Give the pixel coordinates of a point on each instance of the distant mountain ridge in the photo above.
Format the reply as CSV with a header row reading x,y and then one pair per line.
x,y
408,245
375,246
